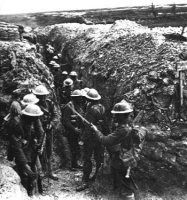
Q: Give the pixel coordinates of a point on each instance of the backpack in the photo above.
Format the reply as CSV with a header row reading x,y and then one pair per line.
x,y
137,138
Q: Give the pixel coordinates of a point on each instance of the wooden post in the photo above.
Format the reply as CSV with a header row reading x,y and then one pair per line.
x,y
181,68
181,82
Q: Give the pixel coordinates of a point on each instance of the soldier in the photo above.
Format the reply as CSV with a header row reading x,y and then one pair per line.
x,y
64,76
56,71
49,51
49,121
56,58
125,144
77,84
84,99
16,97
95,115
64,99
73,126
25,136
65,96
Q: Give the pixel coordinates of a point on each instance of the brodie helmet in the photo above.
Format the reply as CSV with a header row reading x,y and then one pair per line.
x,y
122,107
29,98
73,73
64,73
92,94
40,90
32,110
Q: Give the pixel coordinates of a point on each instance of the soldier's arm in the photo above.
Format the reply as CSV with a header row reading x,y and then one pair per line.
x,y
111,139
16,129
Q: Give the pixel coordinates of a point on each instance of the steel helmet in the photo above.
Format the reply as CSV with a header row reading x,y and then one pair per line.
x,y
55,57
76,93
32,110
56,65
92,94
68,82
73,73
59,55
40,90
64,73
122,107
29,98
52,62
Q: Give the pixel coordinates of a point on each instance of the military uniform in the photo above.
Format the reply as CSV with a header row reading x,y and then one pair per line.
x,y
58,81
65,96
125,145
72,124
25,139
95,113
50,117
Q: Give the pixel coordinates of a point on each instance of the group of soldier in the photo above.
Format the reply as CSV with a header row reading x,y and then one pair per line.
x,y
32,120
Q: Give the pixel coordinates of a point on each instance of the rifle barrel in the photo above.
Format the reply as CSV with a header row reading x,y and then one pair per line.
x,y
82,118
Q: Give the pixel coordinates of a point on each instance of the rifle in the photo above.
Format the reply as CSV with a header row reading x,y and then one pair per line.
x,y
79,115
43,143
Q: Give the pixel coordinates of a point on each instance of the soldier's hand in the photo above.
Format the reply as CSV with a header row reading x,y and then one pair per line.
x,y
24,141
73,116
94,128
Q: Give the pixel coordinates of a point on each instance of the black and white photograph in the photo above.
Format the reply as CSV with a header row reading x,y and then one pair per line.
x,y
93,100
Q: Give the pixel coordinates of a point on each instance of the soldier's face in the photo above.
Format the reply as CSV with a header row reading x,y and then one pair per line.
x,y
64,76
42,97
73,78
123,118
78,100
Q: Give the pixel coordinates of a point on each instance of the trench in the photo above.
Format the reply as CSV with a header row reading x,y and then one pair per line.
x,y
96,52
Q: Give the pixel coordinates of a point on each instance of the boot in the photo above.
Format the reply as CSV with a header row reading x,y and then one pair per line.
x,y
50,174
85,183
128,195
83,186
30,193
53,176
